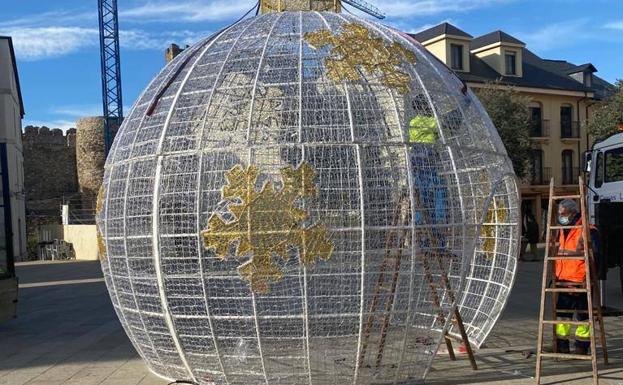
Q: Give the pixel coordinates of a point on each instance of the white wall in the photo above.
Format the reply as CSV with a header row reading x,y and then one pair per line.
x,y
84,241
11,134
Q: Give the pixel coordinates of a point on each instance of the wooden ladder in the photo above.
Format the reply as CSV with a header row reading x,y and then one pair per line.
x,y
394,242
588,287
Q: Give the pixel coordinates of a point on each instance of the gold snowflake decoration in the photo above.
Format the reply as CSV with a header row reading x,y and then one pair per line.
x,y
487,231
496,213
355,49
266,223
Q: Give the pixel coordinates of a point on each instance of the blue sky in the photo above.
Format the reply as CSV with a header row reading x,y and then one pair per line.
x,y
57,50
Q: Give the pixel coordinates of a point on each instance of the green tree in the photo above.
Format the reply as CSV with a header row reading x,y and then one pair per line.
x,y
511,116
608,119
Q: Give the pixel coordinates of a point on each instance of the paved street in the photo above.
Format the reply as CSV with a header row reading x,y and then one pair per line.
x,y
67,333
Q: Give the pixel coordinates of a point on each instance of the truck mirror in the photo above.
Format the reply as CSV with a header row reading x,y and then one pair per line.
x,y
586,161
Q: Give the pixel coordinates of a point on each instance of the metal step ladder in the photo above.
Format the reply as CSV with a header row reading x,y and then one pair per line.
x,y
588,287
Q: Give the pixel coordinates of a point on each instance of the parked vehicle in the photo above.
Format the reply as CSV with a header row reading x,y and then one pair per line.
x,y
604,165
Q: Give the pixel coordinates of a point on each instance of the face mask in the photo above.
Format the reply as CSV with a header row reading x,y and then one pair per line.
x,y
563,220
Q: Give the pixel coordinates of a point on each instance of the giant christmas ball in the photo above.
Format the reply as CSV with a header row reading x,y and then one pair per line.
x,y
302,198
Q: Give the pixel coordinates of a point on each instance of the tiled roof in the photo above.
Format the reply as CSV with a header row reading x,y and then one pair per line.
x,y
438,30
582,68
537,72
492,38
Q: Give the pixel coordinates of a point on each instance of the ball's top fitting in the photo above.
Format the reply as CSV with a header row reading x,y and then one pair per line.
x,y
268,6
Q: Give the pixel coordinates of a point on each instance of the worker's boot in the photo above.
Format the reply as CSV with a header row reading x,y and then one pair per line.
x,y
562,346
582,348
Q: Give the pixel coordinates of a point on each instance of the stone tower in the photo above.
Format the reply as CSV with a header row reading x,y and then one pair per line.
x,y
90,158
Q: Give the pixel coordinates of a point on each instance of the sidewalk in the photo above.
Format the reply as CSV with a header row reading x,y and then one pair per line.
x,y
66,331
500,361
68,334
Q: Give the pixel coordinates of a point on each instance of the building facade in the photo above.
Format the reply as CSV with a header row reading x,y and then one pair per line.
x,y
12,211
563,99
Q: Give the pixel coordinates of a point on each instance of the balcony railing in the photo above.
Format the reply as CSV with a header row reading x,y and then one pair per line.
x,y
541,177
570,175
569,130
539,129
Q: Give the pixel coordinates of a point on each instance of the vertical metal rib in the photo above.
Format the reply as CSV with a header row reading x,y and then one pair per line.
x,y
305,308
199,201
250,122
125,244
156,217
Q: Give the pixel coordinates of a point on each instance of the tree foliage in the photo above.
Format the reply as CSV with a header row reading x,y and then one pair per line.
x,y
511,116
608,119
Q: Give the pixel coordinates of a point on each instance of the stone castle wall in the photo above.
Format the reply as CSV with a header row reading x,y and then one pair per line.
x,y
50,171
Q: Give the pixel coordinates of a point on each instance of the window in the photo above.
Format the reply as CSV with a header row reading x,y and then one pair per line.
x,y
568,174
538,176
599,170
511,63
614,165
588,79
566,122
536,122
6,254
456,56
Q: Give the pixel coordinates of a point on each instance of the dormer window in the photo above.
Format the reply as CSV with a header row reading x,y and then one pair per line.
x,y
456,56
511,62
588,79
583,73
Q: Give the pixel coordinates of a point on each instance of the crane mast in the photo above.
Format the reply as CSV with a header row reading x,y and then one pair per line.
x,y
111,69
366,7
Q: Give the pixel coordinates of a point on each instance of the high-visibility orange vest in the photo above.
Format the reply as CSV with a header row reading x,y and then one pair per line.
x,y
572,244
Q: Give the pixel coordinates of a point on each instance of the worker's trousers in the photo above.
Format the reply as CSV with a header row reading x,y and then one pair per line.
x,y
572,301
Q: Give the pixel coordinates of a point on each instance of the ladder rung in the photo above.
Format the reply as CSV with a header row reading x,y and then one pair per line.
x,y
565,290
564,321
566,355
563,257
453,338
560,227
578,311
561,197
570,284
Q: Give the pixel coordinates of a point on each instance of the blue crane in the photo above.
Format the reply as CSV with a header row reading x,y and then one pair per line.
x,y
111,69
365,7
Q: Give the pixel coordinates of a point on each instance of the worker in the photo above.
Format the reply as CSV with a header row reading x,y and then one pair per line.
x,y
423,129
572,273
428,184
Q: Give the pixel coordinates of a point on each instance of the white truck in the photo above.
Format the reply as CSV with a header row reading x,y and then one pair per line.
x,y
604,165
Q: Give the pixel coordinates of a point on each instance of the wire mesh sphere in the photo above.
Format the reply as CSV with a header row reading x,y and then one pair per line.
x,y
301,199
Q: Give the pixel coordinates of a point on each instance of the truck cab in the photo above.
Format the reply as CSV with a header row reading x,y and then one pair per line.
x,y
605,167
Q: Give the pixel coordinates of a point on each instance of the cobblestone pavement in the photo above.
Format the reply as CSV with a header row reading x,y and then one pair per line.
x,y
67,333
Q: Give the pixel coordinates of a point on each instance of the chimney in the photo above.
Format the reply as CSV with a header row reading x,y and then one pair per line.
x,y
172,51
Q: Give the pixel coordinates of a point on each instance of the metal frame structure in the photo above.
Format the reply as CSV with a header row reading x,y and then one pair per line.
x,y
260,94
110,68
